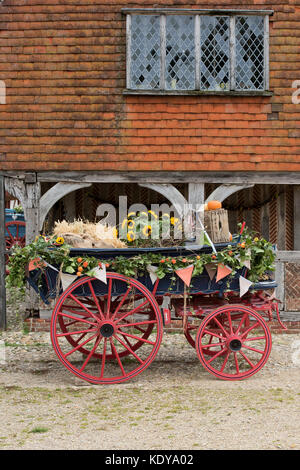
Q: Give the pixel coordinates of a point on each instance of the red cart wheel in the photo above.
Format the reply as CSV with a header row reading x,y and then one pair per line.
x,y
106,330
14,235
190,332
65,325
240,341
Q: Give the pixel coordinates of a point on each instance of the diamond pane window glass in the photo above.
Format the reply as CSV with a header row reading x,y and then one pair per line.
x,y
145,52
180,52
215,54
249,36
197,51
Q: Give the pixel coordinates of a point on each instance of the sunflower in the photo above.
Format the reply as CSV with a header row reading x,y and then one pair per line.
x,y
60,241
174,220
130,224
131,236
147,230
152,213
167,216
115,232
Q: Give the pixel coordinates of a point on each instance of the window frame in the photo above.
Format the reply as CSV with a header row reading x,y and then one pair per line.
x,y
232,14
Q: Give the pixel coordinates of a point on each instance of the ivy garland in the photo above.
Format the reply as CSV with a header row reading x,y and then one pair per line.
x,y
55,252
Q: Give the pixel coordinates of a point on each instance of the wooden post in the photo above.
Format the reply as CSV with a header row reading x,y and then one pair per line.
x,y
32,217
3,320
196,201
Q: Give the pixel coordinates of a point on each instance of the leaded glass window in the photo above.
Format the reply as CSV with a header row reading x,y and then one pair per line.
x,y
194,51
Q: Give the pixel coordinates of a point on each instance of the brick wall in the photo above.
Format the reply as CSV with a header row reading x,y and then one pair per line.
x,y
63,63
292,287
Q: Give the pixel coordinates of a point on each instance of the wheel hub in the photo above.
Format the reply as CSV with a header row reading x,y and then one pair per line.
x,y
235,344
107,329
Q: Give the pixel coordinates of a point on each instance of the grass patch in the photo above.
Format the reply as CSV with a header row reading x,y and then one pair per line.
x,y
38,429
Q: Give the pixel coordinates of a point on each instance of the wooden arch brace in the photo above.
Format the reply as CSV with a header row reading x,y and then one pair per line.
x,y
225,190
54,194
171,193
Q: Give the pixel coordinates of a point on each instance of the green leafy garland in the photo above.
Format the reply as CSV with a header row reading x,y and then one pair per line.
x,y
54,251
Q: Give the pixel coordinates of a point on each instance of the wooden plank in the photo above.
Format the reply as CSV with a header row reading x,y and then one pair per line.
x,y
3,320
189,11
167,177
288,256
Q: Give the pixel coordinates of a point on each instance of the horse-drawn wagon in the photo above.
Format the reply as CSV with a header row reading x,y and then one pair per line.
x,y
108,329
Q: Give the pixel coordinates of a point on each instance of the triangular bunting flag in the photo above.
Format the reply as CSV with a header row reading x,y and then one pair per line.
x,y
244,285
152,272
35,264
211,269
66,280
185,274
100,273
223,271
247,263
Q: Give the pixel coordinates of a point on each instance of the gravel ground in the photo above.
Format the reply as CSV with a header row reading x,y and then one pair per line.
x,y
174,404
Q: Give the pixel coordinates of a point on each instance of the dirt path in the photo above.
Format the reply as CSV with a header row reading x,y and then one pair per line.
x,y
174,404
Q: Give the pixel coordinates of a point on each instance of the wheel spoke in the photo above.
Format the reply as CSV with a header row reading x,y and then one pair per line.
x,y
121,303
114,351
136,309
149,322
91,353
245,333
75,318
215,356
84,307
103,357
129,349
236,363
69,333
80,345
230,322
96,300
253,349
212,345
246,358
137,337
241,322
109,297
212,333
225,361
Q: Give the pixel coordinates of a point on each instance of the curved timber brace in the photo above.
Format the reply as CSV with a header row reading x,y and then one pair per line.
x,y
35,207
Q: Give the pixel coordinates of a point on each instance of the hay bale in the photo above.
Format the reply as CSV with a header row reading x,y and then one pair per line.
x,y
81,234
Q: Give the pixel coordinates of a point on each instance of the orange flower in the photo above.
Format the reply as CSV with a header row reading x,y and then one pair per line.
x,y
173,261
85,264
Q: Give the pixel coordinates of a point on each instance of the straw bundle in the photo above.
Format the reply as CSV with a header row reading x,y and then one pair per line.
x,y
80,234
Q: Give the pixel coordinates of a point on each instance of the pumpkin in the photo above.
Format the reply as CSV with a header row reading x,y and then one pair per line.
x,y
214,205
205,207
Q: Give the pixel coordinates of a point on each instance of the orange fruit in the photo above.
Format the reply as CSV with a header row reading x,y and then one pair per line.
x,y
213,205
